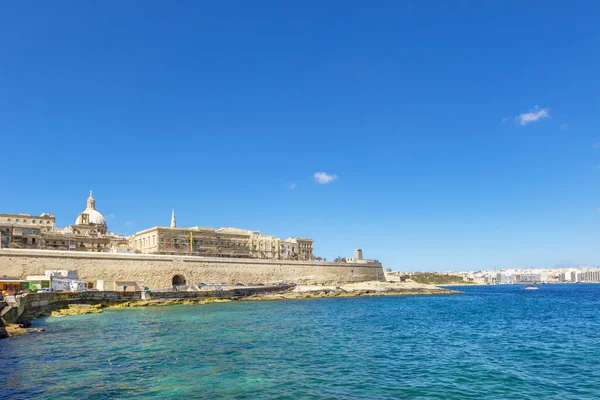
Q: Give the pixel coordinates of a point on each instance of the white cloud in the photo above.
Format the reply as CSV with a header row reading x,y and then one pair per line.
x,y
111,216
596,145
533,115
324,178
128,223
293,186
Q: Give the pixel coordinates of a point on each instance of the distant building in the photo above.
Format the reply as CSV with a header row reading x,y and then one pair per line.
x,y
592,275
23,230
224,242
529,277
505,278
90,233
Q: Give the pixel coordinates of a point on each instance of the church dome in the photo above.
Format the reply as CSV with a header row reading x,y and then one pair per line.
x,y
90,216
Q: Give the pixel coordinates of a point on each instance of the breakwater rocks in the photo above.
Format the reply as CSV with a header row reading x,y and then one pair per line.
x,y
373,288
12,330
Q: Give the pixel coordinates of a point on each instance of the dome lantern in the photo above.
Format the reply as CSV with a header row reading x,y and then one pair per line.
x,y
91,202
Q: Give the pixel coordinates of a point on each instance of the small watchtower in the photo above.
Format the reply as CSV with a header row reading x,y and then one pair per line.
x,y
358,254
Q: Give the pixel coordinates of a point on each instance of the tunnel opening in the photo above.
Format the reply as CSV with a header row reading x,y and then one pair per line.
x,y
178,280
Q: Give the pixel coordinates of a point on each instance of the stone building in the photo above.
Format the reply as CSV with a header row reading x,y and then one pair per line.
x,y
23,230
223,242
89,233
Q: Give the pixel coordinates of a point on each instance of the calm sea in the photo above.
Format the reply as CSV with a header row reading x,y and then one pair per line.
x,y
499,342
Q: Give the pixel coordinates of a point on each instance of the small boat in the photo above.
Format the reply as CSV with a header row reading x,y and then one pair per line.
x,y
531,287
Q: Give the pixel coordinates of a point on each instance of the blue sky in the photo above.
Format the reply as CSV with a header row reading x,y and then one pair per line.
x,y
462,135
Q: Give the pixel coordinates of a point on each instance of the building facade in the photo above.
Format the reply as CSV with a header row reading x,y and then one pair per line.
x,y
90,233
223,242
23,230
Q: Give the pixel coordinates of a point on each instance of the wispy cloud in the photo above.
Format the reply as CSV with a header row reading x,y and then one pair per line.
x,y
564,127
111,216
128,223
293,185
324,178
533,115
596,145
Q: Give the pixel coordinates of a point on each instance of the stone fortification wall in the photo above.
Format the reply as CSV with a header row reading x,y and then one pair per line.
x,y
158,271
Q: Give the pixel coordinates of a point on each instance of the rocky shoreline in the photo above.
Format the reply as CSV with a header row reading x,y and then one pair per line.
x,y
298,292
373,288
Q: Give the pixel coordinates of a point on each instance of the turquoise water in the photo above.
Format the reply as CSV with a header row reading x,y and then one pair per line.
x,y
499,342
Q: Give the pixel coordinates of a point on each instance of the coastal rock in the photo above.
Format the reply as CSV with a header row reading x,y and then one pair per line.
x,y
14,330
35,330
78,309
370,288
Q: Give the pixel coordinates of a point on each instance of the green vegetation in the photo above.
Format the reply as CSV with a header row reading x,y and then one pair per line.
x,y
435,279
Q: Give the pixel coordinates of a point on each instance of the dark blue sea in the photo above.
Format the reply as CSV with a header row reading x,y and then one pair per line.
x,y
498,342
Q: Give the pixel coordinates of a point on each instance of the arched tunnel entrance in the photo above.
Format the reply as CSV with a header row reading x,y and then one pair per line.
x,y
178,280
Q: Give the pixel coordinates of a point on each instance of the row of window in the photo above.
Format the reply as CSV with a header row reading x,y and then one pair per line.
x,y
143,243
26,221
148,242
204,243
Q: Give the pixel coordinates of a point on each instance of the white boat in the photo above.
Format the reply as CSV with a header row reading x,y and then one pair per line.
x,y
531,287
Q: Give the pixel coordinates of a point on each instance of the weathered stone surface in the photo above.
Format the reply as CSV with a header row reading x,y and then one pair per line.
x,y
77,309
158,271
13,330
33,305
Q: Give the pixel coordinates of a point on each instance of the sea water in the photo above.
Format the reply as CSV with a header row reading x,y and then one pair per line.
x,y
497,342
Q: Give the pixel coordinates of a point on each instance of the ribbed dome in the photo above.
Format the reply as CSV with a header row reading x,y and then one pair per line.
x,y
93,217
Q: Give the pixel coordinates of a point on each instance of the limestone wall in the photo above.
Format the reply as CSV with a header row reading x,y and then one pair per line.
x,y
157,271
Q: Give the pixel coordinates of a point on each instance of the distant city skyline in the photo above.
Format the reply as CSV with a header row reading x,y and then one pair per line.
x,y
529,275
434,136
